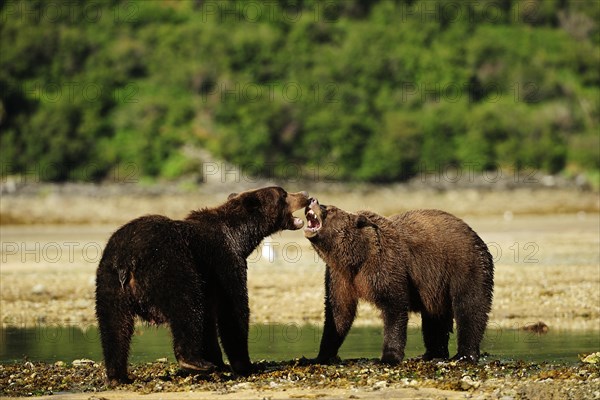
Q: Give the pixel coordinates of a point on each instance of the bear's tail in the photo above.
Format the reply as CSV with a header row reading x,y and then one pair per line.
x,y
112,264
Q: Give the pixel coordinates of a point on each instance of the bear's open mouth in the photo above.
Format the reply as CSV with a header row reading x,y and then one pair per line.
x,y
313,219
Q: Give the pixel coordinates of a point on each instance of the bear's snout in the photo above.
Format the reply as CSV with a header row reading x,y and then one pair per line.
x,y
297,201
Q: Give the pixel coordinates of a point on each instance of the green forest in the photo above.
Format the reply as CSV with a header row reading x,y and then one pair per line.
x,y
376,90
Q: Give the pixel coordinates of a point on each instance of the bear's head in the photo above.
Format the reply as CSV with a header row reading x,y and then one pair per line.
x,y
342,239
271,207
324,221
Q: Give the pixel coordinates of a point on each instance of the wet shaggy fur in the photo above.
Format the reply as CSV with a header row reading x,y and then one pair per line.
x,y
425,261
190,274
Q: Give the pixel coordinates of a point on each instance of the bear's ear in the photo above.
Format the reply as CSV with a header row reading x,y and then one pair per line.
x,y
231,196
251,202
363,222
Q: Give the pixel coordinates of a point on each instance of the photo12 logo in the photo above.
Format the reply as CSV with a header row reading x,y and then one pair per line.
x,y
222,172
74,12
74,91
51,252
471,172
124,173
289,92
472,11
268,10
526,253
452,92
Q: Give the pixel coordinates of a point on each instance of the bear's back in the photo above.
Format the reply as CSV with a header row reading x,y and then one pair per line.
x,y
440,240
434,226
151,238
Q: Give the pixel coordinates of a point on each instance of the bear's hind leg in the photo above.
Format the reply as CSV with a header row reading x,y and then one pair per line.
x,y
471,320
210,342
233,322
187,342
436,333
115,322
188,331
180,299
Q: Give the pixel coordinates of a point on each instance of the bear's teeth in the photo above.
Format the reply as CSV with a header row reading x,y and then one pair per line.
x,y
312,220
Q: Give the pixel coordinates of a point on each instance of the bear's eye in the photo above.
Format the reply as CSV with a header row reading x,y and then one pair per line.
x,y
324,212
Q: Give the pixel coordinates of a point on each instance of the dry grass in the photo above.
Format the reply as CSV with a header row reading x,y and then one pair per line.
x,y
54,207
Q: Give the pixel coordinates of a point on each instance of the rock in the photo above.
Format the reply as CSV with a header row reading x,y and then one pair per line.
x,y
242,385
38,289
161,360
467,383
59,364
548,180
539,328
409,382
379,385
82,362
593,358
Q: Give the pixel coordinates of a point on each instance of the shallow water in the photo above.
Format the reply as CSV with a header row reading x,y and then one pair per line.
x,y
283,342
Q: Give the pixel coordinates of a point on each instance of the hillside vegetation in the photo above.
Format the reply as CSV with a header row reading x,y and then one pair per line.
x,y
364,90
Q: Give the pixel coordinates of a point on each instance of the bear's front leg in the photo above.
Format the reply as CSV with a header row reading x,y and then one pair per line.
x,y
395,321
340,310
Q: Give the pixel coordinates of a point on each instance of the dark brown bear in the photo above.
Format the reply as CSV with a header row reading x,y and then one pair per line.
x,y
190,274
426,261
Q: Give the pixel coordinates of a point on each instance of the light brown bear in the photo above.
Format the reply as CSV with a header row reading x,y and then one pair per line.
x,y
425,261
